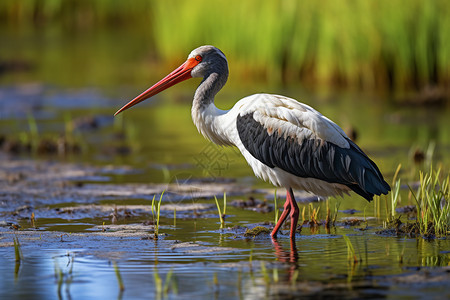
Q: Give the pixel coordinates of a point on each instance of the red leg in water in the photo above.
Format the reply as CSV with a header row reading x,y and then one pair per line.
x,y
294,213
286,210
290,203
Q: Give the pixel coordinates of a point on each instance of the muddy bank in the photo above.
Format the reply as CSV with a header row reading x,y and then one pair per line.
x,y
26,186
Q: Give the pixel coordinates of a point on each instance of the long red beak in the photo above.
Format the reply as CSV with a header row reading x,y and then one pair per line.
x,y
178,75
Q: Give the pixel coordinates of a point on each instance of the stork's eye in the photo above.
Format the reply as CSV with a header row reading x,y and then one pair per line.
x,y
198,58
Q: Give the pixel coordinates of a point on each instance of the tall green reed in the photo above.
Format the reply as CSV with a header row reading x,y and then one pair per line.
x,y
363,43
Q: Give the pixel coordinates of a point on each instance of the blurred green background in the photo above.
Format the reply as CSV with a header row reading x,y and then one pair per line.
x,y
388,44
381,68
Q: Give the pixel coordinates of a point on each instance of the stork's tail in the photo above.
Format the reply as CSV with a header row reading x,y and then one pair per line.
x,y
370,181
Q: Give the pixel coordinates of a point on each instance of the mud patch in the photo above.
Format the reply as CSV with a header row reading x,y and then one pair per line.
x,y
44,187
200,249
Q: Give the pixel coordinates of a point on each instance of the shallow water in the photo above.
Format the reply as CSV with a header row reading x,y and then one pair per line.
x,y
123,163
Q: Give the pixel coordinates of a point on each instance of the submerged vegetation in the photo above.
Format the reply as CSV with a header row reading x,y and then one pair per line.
x,y
369,44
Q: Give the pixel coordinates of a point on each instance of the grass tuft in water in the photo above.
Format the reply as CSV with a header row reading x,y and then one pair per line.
x,y
156,211
222,216
433,204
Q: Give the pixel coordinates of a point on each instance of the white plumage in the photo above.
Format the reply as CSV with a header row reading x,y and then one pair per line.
x,y
286,116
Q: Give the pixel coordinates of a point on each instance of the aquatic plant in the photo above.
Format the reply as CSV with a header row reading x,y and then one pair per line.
x,y
432,206
34,131
221,216
255,231
390,206
167,282
215,282
119,277
313,214
156,211
33,220
265,273
351,255
294,278
275,207
395,197
275,276
62,277
336,210
402,252
158,283
433,203
175,217
250,258
17,250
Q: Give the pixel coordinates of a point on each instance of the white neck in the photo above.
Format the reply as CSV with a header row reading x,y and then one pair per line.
x,y
208,119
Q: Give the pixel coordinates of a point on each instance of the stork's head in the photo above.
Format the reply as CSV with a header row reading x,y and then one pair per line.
x,y
201,62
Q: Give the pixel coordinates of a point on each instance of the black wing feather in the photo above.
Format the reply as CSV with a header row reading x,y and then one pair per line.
x,y
313,158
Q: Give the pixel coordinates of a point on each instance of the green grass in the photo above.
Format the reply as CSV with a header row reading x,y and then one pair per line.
x,y
368,44
275,204
431,200
433,203
222,215
156,211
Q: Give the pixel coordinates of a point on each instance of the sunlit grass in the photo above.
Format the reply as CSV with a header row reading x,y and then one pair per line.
x,y
221,215
368,44
156,211
275,204
433,203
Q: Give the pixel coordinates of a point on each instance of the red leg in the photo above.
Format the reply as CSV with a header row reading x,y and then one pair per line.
x,y
294,213
287,209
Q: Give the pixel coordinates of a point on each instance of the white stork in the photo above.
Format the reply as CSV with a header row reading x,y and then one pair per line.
x,y
285,142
